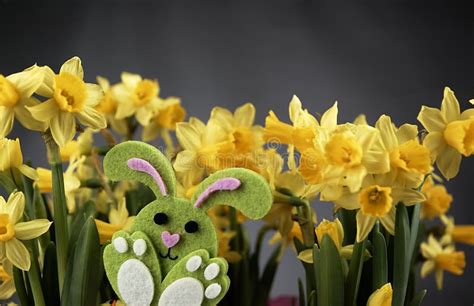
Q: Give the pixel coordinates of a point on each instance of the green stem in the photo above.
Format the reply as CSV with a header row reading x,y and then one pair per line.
x,y
305,221
20,286
34,277
279,197
59,200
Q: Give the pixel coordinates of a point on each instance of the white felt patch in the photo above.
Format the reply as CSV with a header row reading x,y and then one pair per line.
x,y
186,291
211,271
135,283
193,263
120,245
139,247
213,291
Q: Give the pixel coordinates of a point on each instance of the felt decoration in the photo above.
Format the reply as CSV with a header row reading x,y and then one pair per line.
x,y
169,256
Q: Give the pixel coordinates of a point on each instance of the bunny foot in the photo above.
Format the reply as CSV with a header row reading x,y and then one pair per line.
x,y
195,280
132,267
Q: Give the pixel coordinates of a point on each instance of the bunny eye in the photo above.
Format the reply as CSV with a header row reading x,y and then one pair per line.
x,y
160,218
191,227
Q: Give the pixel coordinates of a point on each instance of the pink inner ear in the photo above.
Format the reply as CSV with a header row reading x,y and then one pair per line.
x,y
228,183
142,165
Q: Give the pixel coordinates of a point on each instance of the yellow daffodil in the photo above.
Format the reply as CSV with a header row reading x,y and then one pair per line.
x,y
69,98
71,182
438,200
16,92
439,259
164,118
286,241
12,231
7,285
136,96
79,147
409,160
336,232
11,158
360,120
376,200
108,107
382,296
119,219
456,233
450,133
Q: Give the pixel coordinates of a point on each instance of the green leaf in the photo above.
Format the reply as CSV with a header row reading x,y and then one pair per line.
x,y
418,298
355,271
50,276
21,291
379,260
329,276
266,281
301,293
312,301
85,270
88,210
348,220
309,269
402,256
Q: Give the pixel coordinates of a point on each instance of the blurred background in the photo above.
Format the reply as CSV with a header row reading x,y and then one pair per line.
x,y
373,57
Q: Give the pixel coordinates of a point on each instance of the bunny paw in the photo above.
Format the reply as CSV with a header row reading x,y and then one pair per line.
x,y
132,268
195,280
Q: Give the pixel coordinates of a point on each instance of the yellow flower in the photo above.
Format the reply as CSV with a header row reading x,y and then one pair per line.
x,y
108,107
456,233
136,96
71,182
439,259
16,92
336,232
450,133
295,232
438,200
12,158
376,200
79,147
12,231
164,118
381,296
409,160
7,285
119,219
69,98
360,120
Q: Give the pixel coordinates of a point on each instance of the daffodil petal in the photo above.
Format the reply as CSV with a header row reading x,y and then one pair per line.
x,y
15,206
47,87
94,94
407,196
407,132
63,128
432,119
18,254
25,117
387,132
427,267
74,67
382,296
388,221
44,111
439,279
92,118
223,117
329,118
435,142
130,80
28,171
6,121
306,256
188,136
7,290
125,109
449,161
31,229
151,131
364,225
450,105
245,115
27,81
468,113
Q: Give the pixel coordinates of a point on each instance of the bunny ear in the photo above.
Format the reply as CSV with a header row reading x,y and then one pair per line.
x,y
237,187
133,160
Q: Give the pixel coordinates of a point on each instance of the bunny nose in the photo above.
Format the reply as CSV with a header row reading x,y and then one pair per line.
x,y
169,240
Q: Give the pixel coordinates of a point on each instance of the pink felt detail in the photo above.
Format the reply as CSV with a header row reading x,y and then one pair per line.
x,y
142,165
228,183
170,240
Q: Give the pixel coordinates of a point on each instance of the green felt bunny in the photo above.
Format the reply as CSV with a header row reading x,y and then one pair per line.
x,y
169,257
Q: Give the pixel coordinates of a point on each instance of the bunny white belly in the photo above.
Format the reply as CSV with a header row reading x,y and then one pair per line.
x,y
135,283
186,291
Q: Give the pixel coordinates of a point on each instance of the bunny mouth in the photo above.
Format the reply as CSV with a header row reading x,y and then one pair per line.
x,y
168,255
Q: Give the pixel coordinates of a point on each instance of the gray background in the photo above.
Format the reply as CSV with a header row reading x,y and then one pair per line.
x,y
372,56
